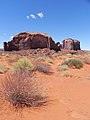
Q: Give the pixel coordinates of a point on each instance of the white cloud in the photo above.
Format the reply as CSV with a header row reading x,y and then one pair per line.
x,y
41,15
27,17
11,37
33,16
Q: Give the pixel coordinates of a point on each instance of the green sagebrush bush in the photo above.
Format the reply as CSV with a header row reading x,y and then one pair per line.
x,y
73,63
3,69
23,64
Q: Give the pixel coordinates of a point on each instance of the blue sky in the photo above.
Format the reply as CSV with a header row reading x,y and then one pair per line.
x,y
60,19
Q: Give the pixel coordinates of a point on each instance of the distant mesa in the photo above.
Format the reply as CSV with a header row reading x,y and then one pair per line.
x,y
1,49
31,40
71,44
34,40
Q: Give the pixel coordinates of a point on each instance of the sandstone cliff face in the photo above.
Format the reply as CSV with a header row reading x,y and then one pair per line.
x,y
70,44
31,40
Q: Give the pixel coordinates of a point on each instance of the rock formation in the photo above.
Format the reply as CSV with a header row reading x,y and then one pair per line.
x,y
71,44
31,40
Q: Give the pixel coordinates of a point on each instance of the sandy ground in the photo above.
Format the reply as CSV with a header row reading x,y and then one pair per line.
x,y
69,97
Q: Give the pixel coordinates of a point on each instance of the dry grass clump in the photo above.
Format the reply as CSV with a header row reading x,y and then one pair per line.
x,y
62,67
23,64
66,74
43,67
21,90
69,55
56,55
3,69
73,63
49,60
44,59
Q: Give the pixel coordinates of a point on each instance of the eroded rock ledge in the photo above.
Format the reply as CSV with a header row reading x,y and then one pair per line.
x,y
31,40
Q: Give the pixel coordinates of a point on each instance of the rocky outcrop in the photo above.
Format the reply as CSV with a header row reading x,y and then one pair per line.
x,y
71,44
31,40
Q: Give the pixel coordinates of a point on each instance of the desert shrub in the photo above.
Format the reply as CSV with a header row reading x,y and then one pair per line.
x,y
21,90
73,63
62,67
7,55
42,67
23,64
69,55
49,60
43,59
67,74
3,69
56,55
